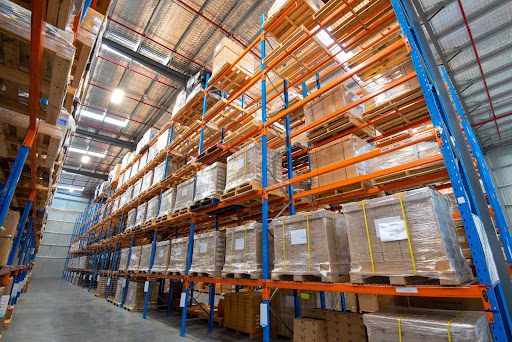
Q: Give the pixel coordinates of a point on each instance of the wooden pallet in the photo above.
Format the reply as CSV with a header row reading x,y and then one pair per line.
x,y
329,278
234,275
204,274
448,280
232,80
175,273
252,335
203,204
338,125
281,25
343,190
434,169
246,189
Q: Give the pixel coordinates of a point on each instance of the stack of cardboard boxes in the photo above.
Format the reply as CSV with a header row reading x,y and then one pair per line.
x,y
242,312
7,234
339,326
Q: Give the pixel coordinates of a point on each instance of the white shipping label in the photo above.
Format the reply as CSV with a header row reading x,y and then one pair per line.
x,y
4,303
108,281
390,229
239,244
203,247
161,253
299,237
178,251
98,277
461,200
124,283
264,314
146,286
406,290
183,299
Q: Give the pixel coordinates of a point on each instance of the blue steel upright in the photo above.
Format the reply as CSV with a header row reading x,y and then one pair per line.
x,y
19,232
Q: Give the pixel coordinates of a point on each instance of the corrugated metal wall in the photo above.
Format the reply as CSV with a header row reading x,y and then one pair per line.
x,y
499,160
57,235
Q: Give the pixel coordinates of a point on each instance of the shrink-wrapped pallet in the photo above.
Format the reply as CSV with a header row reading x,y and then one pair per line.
x,y
209,252
133,265
127,159
135,295
136,188
178,258
126,196
167,202
147,180
311,244
211,182
226,52
244,167
408,234
160,171
123,259
115,206
152,208
119,291
427,325
144,141
407,154
130,219
184,195
243,251
141,214
340,149
145,257
134,169
283,304
162,254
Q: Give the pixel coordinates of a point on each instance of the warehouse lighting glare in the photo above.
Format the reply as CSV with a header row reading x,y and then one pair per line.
x,y
71,188
89,114
85,159
117,96
88,153
121,123
103,117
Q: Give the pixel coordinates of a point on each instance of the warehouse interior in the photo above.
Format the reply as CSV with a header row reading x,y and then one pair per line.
x,y
275,170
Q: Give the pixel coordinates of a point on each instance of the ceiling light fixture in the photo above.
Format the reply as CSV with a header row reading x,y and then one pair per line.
x,y
71,188
103,117
89,153
117,96
86,159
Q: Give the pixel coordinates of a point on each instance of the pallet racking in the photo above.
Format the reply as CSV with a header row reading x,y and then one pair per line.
x,y
383,34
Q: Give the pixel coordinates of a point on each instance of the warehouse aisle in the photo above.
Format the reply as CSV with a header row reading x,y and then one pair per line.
x,y
55,311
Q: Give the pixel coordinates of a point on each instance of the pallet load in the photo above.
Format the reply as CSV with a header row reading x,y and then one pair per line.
x,y
184,196
339,326
145,258
403,238
309,330
340,149
118,297
7,234
135,296
160,172
178,258
244,171
210,185
162,254
167,202
311,246
242,312
141,215
130,219
302,15
101,286
243,252
152,209
209,254
329,103
283,304
427,325
147,180
133,264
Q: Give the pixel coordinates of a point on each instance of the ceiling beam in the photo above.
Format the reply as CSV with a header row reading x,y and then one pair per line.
x,y
104,138
146,61
102,176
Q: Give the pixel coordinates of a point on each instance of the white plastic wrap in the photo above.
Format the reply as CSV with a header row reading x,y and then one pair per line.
x,y
123,259
311,243
167,203
16,20
145,257
141,214
143,142
115,206
159,171
211,182
130,219
208,254
127,158
180,102
178,258
407,154
244,166
161,141
407,234
134,259
412,324
152,208
134,169
147,180
243,250
137,188
184,195
162,254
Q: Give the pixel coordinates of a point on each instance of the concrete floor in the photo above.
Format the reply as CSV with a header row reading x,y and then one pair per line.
x,y
55,311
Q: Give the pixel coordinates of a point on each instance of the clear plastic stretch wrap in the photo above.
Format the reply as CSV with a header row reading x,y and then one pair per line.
x,y
130,219
311,243
127,158
178,259
405,234
211,182
159,171
141,214
134,259
410,324
330,102
119,291
341,149
162,254
244,166
184,195
147,180
134,169
208,254
15,20
145,257
243,250
407,154
152,208
136,188
123,259
126,196
120,181
135,295
167,203
226,52
115,206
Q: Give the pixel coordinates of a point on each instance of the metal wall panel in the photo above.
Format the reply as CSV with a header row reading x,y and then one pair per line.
x,y
499,160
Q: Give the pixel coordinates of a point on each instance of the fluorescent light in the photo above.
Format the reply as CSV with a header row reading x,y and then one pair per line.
x,y
324,38
121,123
92,115
85,159
117,96
71,188
89,153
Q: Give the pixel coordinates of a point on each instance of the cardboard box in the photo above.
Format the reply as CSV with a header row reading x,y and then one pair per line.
x,y
311,244
5,249
184,195
211,182
209,252
134,259
374,303
283,303
135,295
178,258
145,258
242,312
309,330
351,302
226,52
391,242
167,202
427,325
340,149
340,326
10,223
162,255
152,208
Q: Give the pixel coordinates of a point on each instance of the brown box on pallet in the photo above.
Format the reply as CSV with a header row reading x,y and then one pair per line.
x,y
209,253
404,235
162,254
242,312
309,330
340,326
134,259
427,325
226,52
178,257
283,303
10,223
336,151
211,182
5,249
311,244
374,303
351,302
135,295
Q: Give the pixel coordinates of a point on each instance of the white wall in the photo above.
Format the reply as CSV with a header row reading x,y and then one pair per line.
x,y
56,238
499,161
